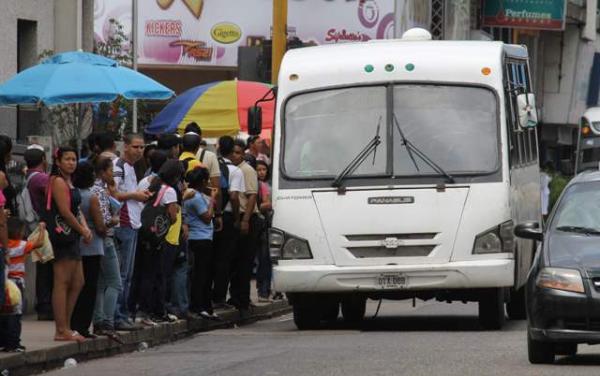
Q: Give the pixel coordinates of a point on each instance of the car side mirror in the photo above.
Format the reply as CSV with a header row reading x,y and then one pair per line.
x,y
254,120
527,112
529,230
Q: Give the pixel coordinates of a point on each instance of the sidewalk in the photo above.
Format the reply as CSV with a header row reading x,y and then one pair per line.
x,y
43,353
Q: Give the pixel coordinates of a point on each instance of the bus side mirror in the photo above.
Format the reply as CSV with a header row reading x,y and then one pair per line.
x,y
254,120
527,111
529,230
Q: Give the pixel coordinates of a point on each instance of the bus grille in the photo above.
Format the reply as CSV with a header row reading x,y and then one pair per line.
x,y
401,251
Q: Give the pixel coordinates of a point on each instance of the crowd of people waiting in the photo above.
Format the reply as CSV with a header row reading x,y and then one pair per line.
x,y
160,231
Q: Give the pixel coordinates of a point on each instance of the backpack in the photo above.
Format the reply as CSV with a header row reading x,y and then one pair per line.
x,y
155,221
186,165
223,180
25,208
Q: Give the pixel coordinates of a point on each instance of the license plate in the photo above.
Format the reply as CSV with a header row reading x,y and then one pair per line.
x,y
391,281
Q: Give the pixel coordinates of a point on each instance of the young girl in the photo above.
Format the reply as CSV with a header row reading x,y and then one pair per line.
x,y
199,213
158,263
91,254
65,225
109,280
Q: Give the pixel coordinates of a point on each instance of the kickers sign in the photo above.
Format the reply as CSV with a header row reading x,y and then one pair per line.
x,y
209,32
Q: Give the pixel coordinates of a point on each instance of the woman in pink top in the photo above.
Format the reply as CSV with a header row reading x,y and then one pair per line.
x,y
264,271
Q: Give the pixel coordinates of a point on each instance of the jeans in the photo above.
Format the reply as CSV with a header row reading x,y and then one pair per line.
x,y
2,274
225,243
264,272
203,252
84,308
109,286
127,241
242,265
179,302
10,331
156,265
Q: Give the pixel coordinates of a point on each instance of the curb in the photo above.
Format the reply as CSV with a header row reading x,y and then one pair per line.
x,y
37,361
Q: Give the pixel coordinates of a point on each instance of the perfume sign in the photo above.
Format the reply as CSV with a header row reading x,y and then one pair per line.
x,y
525,14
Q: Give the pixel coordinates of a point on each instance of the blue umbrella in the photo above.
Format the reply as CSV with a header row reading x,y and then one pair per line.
x,y
79,77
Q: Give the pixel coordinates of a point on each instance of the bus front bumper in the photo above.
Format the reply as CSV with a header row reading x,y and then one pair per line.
x,y
452,275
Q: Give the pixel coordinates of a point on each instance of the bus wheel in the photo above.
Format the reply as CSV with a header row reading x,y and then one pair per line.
x,y
306,316
516,306
353,309
491,309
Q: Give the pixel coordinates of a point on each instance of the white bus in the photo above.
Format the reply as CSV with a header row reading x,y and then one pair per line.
x,y
399,169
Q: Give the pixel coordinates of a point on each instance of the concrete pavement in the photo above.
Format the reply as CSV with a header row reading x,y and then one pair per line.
x,y
44,354
430,339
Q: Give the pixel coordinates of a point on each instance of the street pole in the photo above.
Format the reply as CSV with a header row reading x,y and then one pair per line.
x,y
279,40
134,44
396,21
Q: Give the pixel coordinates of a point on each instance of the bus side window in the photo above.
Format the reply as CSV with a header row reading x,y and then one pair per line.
x,y
523,141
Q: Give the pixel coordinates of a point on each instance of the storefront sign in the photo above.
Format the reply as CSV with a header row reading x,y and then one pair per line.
x,y
196,32
525,14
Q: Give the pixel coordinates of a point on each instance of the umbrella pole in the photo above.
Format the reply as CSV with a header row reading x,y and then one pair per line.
x,y
77,127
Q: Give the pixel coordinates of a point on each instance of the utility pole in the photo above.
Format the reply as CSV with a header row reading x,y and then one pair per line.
x,y
134,45
279,37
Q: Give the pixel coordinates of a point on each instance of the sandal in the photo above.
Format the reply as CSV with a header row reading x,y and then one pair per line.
x,y
74,336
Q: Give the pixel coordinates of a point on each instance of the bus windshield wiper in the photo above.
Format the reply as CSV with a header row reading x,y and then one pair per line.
x,y
579,229
371,147
411,148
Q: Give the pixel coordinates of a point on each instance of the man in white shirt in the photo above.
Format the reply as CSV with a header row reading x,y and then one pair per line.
x,y
125,190
245,253
226,240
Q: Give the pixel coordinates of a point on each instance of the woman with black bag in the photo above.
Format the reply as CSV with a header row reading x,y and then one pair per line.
x,y
65,225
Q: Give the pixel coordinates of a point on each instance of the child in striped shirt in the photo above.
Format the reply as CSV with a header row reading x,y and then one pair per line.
x,y
17,251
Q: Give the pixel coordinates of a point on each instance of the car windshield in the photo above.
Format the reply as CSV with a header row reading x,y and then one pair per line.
x,y
455,127
579,209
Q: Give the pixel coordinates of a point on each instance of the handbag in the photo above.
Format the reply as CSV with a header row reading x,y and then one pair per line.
x,y
59,231
12,298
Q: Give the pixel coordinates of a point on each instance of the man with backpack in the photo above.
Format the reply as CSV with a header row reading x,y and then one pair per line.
x,y
226,239
31,203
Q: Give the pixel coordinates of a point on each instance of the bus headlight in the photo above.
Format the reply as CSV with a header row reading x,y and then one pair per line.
x,y
497,240
295,248
560,279
283,246
487,243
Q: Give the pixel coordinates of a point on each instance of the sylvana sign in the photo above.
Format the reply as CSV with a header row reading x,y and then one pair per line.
x,y
196,32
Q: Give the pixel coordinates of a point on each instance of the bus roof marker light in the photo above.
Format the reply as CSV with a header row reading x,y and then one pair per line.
x,y
389,67
410,67
486,71
369,68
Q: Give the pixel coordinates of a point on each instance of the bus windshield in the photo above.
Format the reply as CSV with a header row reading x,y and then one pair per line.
x,y
454,126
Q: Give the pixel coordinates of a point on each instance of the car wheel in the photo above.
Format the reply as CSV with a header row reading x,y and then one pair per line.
x,y
353,309
491,310
568,349
539,352
331,311
516,306
306,316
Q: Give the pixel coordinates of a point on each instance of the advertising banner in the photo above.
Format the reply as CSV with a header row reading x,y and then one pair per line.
x,y
525,14
209,32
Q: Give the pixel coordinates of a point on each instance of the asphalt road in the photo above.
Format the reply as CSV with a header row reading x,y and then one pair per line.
x,y
430,339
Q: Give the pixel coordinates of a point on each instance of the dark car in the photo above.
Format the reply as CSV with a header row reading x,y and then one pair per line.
x,y
563,288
